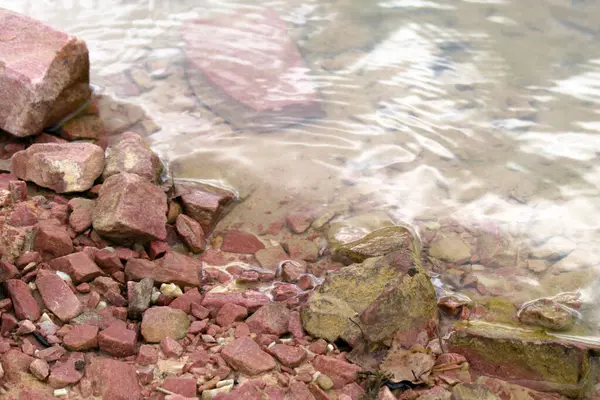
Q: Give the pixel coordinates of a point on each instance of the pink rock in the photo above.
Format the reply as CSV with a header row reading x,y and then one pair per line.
x,y
7,271
67,167
299,222
28,257
176,268
186,300
241,242
299,391
205,204
8,323
79,266
340,372
67,372
246,356
108,260
57,296
302,249
289,356
147,355
183,386
171,348
250,300
161,322
284,291
132,155
118,341
230,313
291,271
83,127
114,380
272,318
18,191
157,249
271,258
15,363
24,304
45,74
47,138
81,338
244,93
130,207
81,215
22,216
39,368
50,354
191,233
51,240
295,325
249,390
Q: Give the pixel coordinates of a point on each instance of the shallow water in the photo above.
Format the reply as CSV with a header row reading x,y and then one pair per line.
x,y
473,110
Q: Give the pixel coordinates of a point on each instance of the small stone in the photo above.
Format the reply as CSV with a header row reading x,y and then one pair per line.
x,y
324,382
67,372
114,379
65,167
204,203
118,341
161,322
191,233
292,270
271,258
57,296
25,327
40,369
180,269
302,249
147,355
171,348
300,222
139,296
241,242
79,266
182,386
230,313
245,355
8,323
171,290
81,338
251,300
450,248
289,356
81,214
548,314
51,240
340,372
132,155
272,318
24,304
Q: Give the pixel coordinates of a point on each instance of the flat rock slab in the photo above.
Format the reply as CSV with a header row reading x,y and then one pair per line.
x,y
57,296
62,167
267,87
44,75
129,207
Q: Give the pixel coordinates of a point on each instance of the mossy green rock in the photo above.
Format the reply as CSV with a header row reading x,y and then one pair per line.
x,y
527,357
373,299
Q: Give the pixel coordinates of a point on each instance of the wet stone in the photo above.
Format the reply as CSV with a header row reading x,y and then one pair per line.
x,y
547,313
191,233
241,242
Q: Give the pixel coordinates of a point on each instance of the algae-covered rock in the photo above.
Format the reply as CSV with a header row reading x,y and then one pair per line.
x,y
373,299
530,358
547,313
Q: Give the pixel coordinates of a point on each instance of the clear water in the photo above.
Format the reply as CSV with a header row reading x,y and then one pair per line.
x,y
474,110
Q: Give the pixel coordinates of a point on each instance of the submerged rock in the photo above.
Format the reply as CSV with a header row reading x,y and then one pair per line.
x,y
62,167
548,313
531,358
44,75
129,207
374,300
450,247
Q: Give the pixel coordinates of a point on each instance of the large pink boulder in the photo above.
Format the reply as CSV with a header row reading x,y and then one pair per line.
x,y
129,207
267,87
44,75
62,167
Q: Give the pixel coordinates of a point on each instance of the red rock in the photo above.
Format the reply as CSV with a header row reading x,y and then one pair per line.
x,y
24,304
83,288
302,249
8,323
340,372
47,138
291,271
108,260
81,338
191,233
45,75
289,356
271,258
28,257
18,191
198,326
50,354
171,348
157,249
66,167
186,300
271,318
295,325
299,222
299,391
243,93
40,369
67,372
205,204
147,355
114,380
57,296
22,216
161,322
81,214
284,291
118,341
199,311
318,393
130,207
182,386
51,240
15,363
250,300
176,268
7,271
245,355
83,127
79,266
230,313
132,155
126,254
241,242
306,282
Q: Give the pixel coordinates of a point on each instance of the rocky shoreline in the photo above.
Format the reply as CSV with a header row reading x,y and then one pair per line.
x,y
117,283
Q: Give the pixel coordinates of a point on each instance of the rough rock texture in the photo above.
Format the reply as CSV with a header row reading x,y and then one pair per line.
x,y
51,240
24,304
118,341
246,356
79,266
81,337
57,296
241,242
272,319
132,155
206,204
44,76
191,233
176,268
161,322
114,380
242,92
64,167
390,294
532,359
139,296
130,207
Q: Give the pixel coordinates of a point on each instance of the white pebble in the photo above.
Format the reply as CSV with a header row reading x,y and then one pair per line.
x,y
61,393
329,348
63,276
155,294
171,290
226,382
